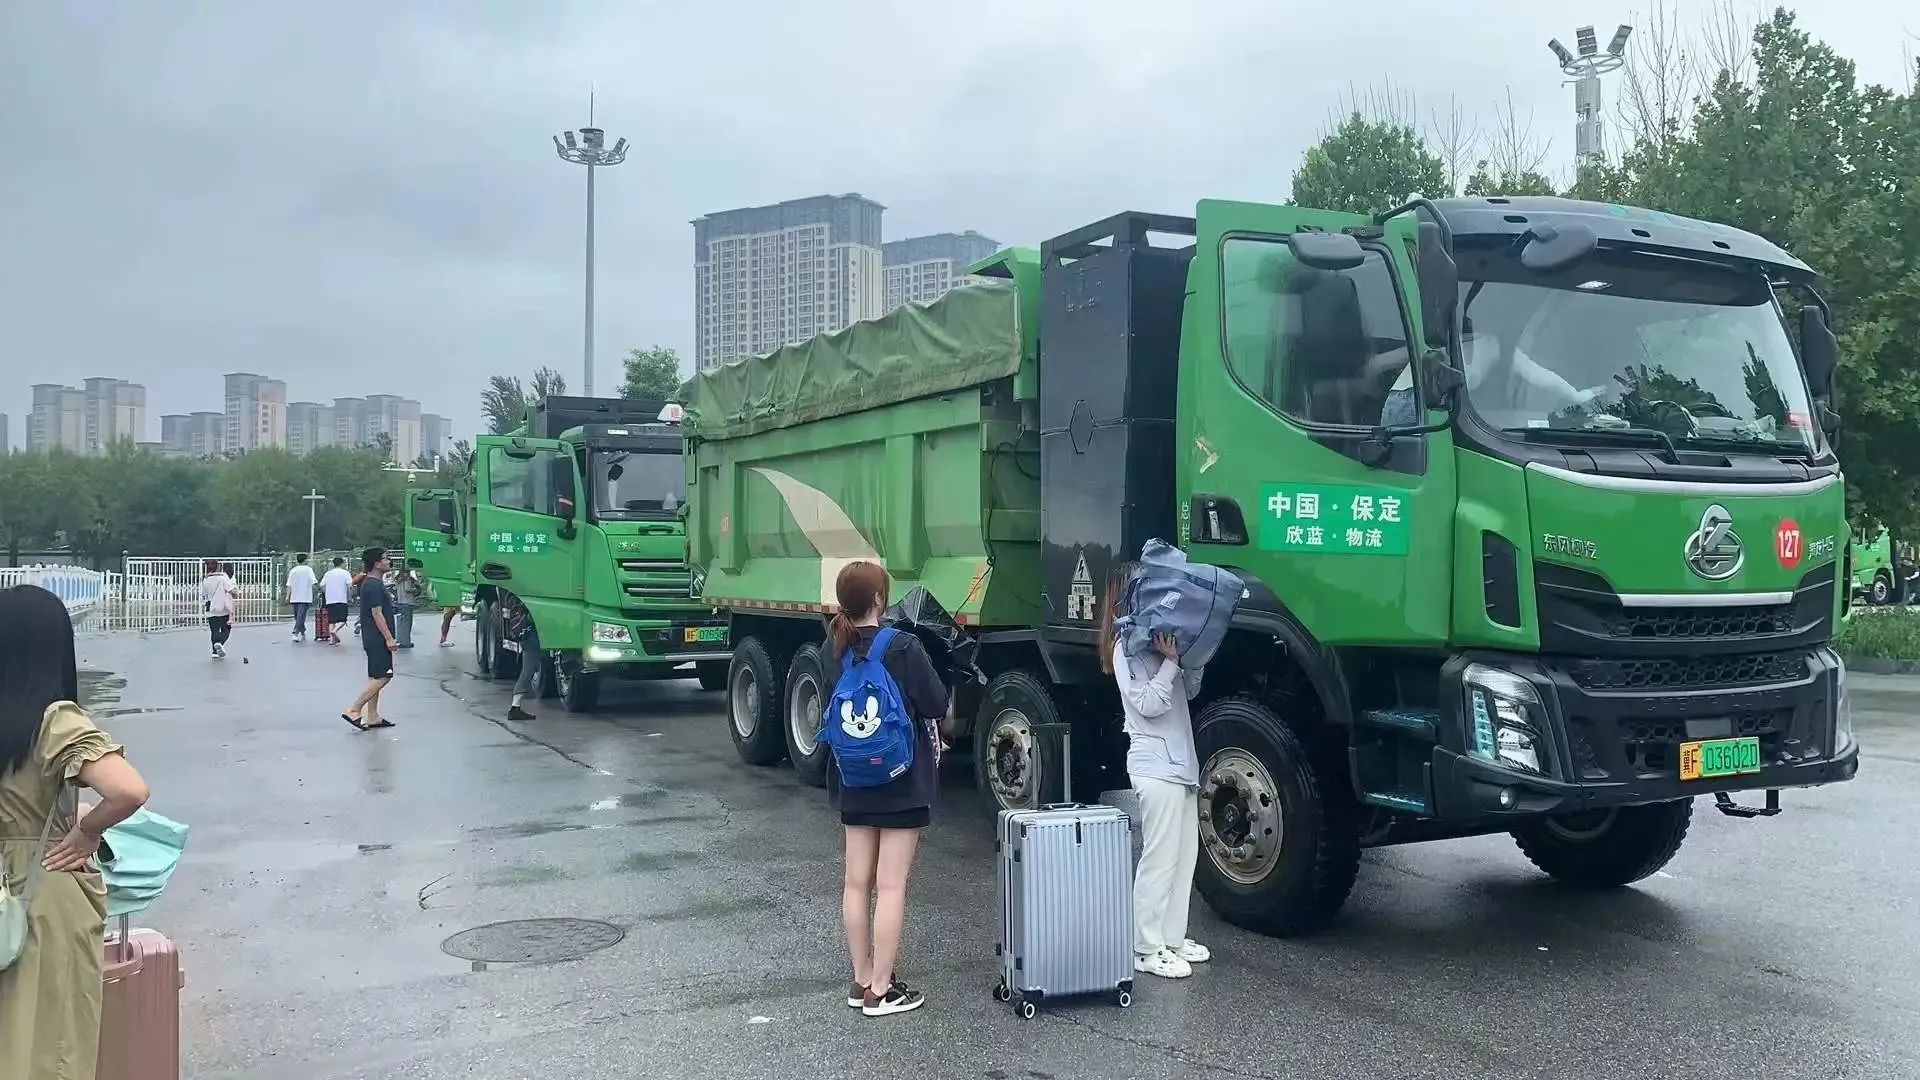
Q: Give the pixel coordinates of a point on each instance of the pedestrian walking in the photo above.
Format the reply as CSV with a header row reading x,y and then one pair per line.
x,y
882,823
517,622
407,588
447,615
336,591
50,985
1164,770
376,640
216,599
300,586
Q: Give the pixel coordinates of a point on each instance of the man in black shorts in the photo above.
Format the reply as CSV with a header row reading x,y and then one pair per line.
x,y
376,638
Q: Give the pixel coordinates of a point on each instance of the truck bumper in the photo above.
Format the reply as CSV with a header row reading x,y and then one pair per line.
x,y
1608,748
699,635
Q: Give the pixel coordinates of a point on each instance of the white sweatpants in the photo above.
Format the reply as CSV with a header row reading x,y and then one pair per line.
x,y
1170,846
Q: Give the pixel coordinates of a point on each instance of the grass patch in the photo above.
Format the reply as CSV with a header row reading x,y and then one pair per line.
x,y
1881,634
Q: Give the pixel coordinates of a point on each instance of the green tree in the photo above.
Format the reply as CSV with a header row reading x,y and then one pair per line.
x,y
29,505
505,400
652,374
1367,165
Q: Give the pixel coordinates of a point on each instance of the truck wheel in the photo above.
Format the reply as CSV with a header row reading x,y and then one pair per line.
x,y
753,703
1604,849
578,691
805,701
711,673
506,662
1016,760
1882,590
1279,834
547,686
482,639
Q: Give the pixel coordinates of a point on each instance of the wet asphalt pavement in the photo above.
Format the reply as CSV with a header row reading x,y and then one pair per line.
x,y
326,866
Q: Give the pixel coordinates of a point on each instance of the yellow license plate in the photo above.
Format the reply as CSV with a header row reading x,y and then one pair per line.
x,y
1710,758
699,634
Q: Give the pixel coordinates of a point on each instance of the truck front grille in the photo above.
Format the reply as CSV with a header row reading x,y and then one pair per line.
x,y
652,566
1665,624
1689,672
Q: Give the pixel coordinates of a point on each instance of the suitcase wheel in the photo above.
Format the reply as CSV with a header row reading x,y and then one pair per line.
x,y
1123,998
1001,993
1027,1010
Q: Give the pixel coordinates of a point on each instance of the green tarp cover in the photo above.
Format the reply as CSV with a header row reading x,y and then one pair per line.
x,y
968,337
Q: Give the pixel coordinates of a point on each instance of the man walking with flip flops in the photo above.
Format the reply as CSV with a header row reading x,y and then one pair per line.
x,y
376,639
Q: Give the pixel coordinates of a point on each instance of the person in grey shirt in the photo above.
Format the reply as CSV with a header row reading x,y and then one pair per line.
x,y
407,589
1165,771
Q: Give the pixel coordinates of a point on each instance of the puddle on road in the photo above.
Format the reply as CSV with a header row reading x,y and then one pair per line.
x,y
100,688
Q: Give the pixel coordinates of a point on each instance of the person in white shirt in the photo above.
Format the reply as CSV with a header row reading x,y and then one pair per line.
x,y
336,591
1165,772
216,596
300,586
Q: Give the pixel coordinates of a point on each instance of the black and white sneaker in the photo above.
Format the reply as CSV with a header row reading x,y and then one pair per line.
x,y
857,996
899,998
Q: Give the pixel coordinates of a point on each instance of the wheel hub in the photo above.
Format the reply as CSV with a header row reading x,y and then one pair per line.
x,y
746,703
805,713
1010,760
1240,818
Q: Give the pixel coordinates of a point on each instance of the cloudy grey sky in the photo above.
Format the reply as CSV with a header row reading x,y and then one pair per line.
x,y
362,197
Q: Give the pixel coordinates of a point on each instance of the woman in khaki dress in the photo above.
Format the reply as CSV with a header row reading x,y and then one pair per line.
x,y
50,996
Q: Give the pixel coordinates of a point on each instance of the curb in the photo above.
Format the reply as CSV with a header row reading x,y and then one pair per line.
x,y
1868,665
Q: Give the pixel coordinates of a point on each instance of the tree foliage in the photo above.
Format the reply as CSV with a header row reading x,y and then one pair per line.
x,y
1368,165
506,399
131,501
652,374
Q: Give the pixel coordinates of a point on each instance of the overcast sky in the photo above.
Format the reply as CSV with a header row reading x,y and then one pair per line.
x,y
362,197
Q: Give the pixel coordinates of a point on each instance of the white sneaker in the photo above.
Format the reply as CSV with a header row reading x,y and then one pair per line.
x,y
1164,964
1193,952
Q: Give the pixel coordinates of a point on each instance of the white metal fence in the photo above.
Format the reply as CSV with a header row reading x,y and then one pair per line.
x,y
163,593
84,591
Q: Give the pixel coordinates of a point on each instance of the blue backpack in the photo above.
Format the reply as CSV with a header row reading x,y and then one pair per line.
x,y
866,723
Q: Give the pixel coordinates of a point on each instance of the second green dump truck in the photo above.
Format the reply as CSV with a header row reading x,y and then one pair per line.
x,y
576,517
1538,523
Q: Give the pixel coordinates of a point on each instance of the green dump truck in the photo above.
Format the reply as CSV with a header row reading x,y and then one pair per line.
x,y
1539,527
576,517
1879,572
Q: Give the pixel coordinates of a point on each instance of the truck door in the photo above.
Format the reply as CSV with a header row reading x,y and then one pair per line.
x,y
526,535
1287,372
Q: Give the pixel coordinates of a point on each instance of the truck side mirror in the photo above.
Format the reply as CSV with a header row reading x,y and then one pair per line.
x,y
1439,283
1326,251
1819,351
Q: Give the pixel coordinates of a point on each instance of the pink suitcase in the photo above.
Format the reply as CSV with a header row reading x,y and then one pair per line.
x,y
140,1007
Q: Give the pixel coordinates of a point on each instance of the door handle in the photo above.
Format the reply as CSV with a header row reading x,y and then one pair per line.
x,y
1216,519
493,571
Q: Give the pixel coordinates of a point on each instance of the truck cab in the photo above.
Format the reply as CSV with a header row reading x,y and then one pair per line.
x,y
578,521
1880,573
436,539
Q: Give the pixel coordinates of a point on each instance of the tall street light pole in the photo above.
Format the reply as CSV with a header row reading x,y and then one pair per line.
x,y
588,146
313,499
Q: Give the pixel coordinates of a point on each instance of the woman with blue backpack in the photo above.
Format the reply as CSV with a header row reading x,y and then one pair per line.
x,y
882,725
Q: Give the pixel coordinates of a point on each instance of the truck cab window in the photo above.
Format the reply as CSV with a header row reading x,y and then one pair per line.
x,y
1320,346
539,484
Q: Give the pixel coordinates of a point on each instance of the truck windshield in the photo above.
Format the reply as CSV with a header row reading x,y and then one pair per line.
x,y
638,484
1632,342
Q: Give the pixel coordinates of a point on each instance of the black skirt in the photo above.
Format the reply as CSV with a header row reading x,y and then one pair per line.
x,y
917,818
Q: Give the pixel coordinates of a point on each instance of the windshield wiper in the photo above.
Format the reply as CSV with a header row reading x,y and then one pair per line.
x,y
1634,436
1793,447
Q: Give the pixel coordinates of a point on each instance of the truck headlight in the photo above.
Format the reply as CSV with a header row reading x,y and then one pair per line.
x,y
1842,716
1506,716
612,634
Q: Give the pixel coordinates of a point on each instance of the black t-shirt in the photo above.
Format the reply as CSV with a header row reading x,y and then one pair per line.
x,y
926,700
375,596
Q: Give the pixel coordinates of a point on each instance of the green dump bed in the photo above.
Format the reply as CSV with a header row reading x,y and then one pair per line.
x,y
908,440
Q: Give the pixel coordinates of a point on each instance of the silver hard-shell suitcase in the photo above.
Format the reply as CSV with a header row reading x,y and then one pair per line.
x,y
1066,904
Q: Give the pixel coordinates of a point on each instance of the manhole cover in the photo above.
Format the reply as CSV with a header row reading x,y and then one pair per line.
x,y
533,941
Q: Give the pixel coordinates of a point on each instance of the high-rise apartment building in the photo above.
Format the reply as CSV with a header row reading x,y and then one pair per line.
x,y
922,269
116,410
256,413
310,426
765,276
350,421
436,437
58,420
201,434
398,419
6,437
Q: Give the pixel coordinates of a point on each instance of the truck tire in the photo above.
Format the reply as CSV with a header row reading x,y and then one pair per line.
x,y
1605,849
482,639
578,691
802,704
547,686
1881,592
753,702
711,673
1016,759
1279,829
506,662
